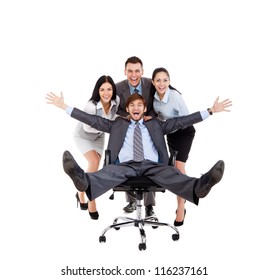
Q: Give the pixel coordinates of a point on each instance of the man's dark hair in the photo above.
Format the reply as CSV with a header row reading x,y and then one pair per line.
x,y
134,60
135,96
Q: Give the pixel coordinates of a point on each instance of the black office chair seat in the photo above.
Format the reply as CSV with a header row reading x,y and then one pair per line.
x,y
139,185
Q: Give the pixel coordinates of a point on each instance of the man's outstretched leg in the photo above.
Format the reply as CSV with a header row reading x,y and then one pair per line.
x,y
97,183
209,179
75,172
190,188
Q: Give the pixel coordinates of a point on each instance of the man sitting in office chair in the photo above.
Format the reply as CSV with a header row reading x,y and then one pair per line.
x,y
150,160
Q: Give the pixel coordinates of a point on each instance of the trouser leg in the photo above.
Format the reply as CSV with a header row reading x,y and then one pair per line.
x,y
149,198
130,196
173,180
107,178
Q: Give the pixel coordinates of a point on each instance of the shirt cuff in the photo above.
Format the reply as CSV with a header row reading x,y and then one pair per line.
x,y
69,110
204,114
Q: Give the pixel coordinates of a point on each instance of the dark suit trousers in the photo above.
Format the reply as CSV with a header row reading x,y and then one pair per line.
x,y
149,198
165,176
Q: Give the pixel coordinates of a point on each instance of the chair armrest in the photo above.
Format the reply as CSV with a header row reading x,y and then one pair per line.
x,y
107,157
172,158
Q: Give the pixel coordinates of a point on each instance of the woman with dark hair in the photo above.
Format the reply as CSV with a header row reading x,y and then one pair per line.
x,y
168,103
103,102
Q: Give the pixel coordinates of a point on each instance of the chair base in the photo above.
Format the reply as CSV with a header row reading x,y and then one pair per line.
x,y
138,222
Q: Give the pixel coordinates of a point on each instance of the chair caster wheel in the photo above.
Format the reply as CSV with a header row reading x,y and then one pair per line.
x,y
102,239
142,246
175,236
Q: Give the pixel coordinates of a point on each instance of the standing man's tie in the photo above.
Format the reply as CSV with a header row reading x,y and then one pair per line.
x,y
135,90
138,154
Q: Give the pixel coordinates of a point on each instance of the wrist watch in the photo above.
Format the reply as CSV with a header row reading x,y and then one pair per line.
x,y
210,111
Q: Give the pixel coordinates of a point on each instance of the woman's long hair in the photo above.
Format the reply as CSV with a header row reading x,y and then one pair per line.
x,y
155,72
103,79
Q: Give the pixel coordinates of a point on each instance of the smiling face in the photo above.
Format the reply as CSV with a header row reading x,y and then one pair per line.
x,y
134,72
136,107
161,82
106,93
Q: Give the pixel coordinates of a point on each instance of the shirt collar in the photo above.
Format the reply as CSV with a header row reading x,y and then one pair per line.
x,y
138,87
100,106
165,98
134,122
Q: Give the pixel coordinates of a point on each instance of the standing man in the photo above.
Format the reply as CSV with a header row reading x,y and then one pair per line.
x,y
135,83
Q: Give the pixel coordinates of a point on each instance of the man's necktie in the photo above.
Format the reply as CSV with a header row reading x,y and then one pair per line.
x,y
136,90
138,154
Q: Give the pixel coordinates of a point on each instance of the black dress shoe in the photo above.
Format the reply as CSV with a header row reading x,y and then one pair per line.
x,y
130,207
149,211
209,179
75,172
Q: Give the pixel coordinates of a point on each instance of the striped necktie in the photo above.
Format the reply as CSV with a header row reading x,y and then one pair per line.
x,y
138,154
135,90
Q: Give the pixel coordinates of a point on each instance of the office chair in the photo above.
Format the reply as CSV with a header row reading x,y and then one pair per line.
x,y
139,185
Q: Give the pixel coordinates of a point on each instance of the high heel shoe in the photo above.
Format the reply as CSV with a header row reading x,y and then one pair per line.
x,y
94,215
83,206
178,224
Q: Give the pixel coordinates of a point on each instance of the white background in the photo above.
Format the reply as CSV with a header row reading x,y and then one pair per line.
x,y
211,48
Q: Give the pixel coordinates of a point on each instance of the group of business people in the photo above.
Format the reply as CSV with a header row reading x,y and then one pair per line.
x,y
112,103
